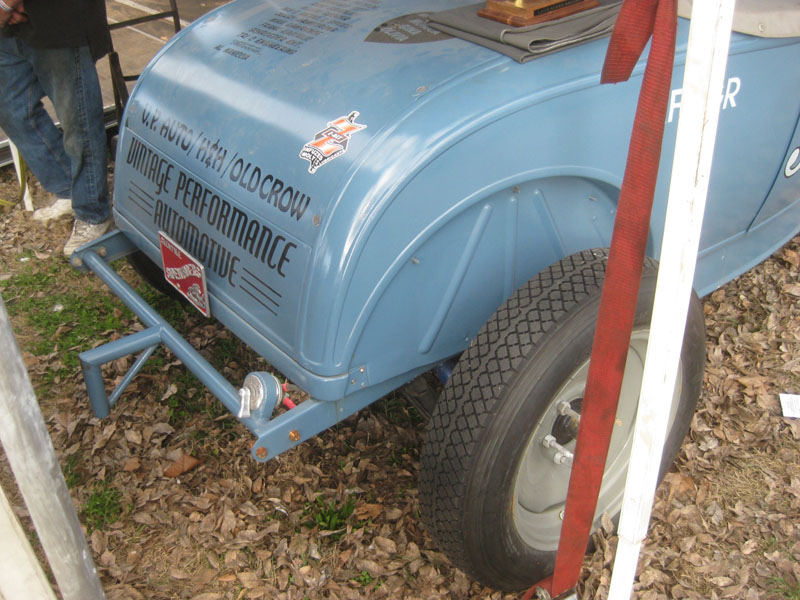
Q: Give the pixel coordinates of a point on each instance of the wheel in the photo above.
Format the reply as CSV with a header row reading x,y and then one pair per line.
x,y
154,276
491,493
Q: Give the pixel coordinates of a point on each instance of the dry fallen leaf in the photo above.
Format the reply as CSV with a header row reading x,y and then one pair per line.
x,y
131,464
368,511
679,485
791,257
182,465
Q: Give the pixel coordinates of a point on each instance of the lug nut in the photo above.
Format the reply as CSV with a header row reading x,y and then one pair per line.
x,y
562,456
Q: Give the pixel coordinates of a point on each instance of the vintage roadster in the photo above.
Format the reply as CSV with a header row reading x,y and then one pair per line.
x,y
364,190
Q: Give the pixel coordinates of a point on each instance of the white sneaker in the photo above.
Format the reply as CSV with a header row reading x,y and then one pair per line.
x,y
83,233
61,207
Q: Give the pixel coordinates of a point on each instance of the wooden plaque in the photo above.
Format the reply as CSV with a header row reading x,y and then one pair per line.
x,y
521,13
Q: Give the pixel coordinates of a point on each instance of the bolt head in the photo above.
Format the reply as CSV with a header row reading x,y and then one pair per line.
x,y
294,435
261,452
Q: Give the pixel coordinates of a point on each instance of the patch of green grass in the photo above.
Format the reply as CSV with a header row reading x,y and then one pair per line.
x,y
396,457
399,412
785,589
214,409
68,317
183,405
225,350
329,516
72,475
172,309
103,506
364,578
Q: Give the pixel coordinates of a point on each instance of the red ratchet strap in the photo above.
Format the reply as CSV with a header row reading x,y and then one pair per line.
x,y
638,20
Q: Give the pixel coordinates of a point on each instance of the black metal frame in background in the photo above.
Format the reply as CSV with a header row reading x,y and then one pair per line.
x,y
118,78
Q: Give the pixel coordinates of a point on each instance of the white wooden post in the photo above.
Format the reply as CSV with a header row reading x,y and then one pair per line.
x,y
22,576
26,196
32,458
707,54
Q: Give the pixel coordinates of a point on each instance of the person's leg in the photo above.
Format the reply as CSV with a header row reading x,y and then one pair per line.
x,y
26,122
68,76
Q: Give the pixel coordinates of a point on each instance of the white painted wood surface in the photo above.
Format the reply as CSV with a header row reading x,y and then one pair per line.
x,y
22,575
33,460
707,54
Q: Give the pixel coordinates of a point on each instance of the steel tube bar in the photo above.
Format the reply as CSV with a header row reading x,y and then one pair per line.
x,y
194,361
135,368
91,361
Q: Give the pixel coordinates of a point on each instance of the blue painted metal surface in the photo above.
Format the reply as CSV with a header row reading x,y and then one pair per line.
x,y
362,208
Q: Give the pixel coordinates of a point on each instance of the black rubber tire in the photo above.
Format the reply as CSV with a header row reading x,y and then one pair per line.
x,y
502,385
153,275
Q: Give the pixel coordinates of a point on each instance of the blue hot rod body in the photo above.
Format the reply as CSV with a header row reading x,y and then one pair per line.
x,y
365,191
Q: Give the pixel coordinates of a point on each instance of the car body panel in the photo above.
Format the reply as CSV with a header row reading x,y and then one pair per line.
x,y
453,175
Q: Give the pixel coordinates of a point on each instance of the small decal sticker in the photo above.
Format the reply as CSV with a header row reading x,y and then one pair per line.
x,y
331,141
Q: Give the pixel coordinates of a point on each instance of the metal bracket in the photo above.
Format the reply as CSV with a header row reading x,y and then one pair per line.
x,y
357,379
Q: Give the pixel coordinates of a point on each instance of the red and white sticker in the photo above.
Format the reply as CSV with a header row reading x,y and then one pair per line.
x,y
331,142
185,273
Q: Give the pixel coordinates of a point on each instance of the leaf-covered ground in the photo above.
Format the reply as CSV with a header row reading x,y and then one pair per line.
x,y
174,507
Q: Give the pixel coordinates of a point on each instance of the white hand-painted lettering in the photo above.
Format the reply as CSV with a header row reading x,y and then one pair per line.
x,y
793,164
728,99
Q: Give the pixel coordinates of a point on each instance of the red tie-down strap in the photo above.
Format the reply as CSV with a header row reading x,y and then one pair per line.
x,y
638,21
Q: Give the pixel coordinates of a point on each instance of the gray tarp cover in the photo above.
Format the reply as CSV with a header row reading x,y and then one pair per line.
x,y
763,18
525,43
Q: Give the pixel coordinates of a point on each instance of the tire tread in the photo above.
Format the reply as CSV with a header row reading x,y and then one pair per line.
x,y
471,395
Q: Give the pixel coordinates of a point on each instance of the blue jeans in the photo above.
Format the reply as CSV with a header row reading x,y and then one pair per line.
x,y
72,165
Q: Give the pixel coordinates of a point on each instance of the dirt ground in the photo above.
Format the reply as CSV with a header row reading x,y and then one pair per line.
x,y
174,507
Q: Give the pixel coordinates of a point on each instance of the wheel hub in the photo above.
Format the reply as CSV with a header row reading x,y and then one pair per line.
x,y
542,481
